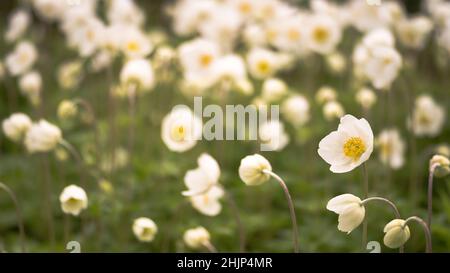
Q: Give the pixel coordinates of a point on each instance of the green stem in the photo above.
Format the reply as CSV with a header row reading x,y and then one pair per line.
x,y
391,204
18,215
430,195
429,247
366,194
291,208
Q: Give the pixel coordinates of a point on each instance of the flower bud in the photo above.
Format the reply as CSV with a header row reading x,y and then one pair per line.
x,y
397,233
16,126
440,165
350,209
67,109
251,170
73,200
196,237
144,229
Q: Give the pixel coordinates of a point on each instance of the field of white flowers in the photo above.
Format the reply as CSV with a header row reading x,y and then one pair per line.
x,y
94,157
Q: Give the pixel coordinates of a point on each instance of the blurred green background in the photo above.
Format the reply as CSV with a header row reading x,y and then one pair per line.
x,y
153,187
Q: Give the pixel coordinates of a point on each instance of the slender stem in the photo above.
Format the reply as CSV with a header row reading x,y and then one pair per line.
x,y
291,207
211,248
430,195
18,215
429,247
366,194
391,204
77,156
47,198
240,226
132,115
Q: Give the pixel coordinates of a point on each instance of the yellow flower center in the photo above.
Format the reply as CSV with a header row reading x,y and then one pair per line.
x,y
293,35
245,8
354,147
205,60
263,67
320,34
133,46
178,133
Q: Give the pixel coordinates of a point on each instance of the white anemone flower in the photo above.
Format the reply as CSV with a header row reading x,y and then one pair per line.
x,y
397,233
144,229
295,109
197,58
323,34
181,129
208,203
350,209
349,146
391,148
262,63
73,200
42,137
202,178
138,72
251,170
196,237
17,25
16,126
428,117
273,135
22,58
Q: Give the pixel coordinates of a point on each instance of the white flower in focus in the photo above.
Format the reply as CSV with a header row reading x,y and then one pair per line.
x,y
17,25
196,237
391,148
366,98
333,110
73,200
326,94
138,72
397,233
428,117
350,209
273,136
251,170
349,146
22,58
323,34
262,63
16,126
296,110
181,129
42,137
144,229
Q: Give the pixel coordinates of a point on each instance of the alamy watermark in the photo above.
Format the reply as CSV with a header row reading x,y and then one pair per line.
x,y
232,122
